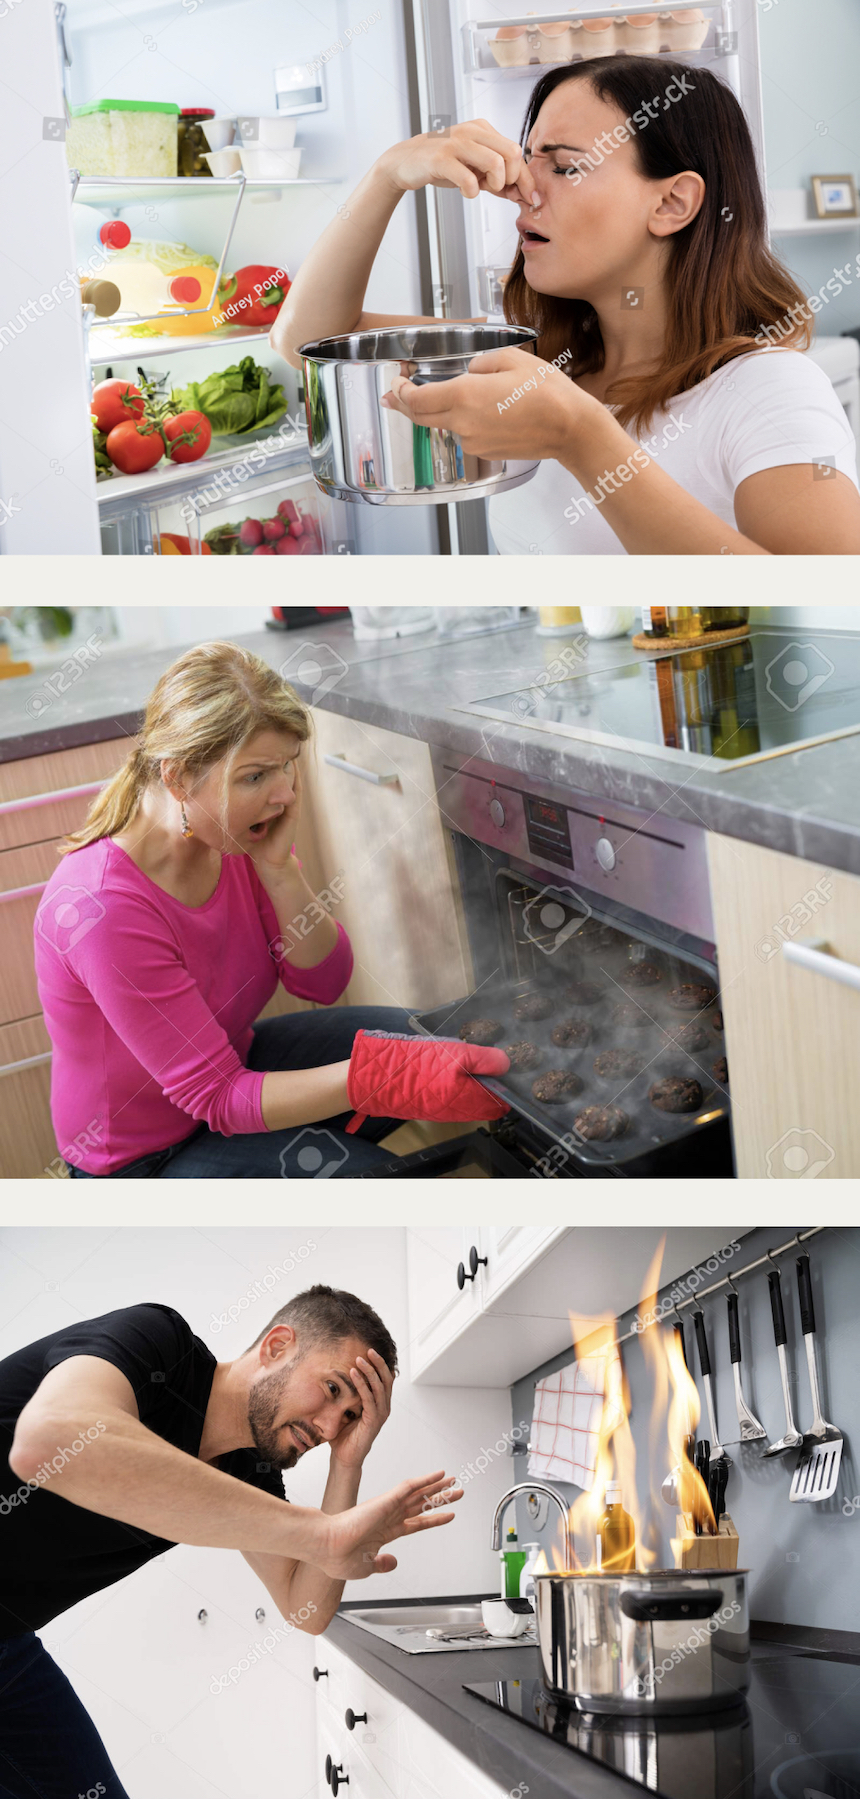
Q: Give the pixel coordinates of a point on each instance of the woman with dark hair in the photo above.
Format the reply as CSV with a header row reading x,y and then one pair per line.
x,y
671,407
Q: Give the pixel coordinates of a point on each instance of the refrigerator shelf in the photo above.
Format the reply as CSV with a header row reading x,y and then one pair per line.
x,y
479,36
98,190
122,493
141,349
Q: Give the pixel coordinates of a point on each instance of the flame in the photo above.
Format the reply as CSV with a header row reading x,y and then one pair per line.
x,y
675,1413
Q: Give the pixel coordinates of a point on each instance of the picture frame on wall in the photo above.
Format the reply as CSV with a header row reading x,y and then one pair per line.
x,y
835,196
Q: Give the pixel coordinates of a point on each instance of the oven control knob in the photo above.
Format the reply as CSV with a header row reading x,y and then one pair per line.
x,y
605,854
497,813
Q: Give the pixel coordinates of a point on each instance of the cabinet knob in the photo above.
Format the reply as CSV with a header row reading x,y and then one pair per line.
x,y
259,1614
353,1718
203,1617
320,1673
475,1262
338,1779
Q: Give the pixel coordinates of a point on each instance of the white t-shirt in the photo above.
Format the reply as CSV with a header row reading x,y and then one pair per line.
x,y
765,409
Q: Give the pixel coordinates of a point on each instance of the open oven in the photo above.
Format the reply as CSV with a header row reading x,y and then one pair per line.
x,y
591,940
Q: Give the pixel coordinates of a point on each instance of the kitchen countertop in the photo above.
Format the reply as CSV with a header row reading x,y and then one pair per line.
x,y
805,803
505,1749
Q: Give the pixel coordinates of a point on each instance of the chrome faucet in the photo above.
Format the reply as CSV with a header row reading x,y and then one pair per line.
x,y
548,1493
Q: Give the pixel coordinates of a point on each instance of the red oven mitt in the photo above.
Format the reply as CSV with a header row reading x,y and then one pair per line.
x,y
397,1076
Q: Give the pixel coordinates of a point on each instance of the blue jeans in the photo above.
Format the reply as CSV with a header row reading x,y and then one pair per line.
x,y
49,1745
321,1151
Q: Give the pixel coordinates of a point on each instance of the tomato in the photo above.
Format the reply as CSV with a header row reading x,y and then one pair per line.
x,y
114,401
188,436
134,447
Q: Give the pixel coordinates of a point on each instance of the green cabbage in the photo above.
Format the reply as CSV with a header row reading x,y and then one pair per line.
x,y
235,400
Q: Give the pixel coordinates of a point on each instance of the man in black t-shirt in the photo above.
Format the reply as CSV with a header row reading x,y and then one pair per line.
x,y
122,1436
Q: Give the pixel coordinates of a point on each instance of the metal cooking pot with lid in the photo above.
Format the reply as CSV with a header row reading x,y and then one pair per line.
x,y
671,1642
361,450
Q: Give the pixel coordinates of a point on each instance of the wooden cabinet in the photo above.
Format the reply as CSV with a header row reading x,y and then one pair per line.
x,y
391,1753
517,1313
372,807
791,1034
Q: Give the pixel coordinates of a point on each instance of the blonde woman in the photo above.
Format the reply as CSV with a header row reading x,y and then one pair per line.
x,y
162,935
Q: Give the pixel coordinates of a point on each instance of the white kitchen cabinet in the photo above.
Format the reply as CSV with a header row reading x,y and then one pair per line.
x,y
392,1754
536,1280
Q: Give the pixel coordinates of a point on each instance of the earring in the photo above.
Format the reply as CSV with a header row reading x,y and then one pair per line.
x,y
186,828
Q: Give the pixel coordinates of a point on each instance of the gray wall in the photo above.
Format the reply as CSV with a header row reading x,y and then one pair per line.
x,y
805,1559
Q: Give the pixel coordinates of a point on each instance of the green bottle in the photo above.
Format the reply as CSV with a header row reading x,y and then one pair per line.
x,y
513,1561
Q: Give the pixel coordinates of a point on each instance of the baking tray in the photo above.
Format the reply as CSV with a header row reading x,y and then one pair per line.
x,y
648,1128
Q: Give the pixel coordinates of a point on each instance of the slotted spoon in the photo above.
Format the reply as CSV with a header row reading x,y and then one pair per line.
x,y
817,1470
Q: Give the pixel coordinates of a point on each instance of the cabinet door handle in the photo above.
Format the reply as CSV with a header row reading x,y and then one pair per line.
x,y
28,1062
475,1262
50,799
817,957
13,893
362,774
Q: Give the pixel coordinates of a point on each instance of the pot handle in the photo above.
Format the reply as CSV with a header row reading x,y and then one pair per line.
x,y
669,1608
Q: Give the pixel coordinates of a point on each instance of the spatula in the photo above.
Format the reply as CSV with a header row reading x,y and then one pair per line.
x,y
817,1471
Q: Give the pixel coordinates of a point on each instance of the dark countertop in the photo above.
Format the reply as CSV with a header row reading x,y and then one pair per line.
x,y
805,803
506,1750
432,1686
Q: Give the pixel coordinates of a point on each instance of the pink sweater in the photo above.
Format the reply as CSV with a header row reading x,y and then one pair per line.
x,y
149,1003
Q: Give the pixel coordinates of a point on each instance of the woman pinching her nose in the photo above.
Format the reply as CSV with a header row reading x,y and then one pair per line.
x,y
172,919
670,405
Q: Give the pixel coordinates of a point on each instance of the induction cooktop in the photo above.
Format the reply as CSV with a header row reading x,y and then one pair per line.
x,y
764,695
796,1735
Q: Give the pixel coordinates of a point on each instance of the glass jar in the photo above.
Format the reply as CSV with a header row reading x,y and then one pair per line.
x,y
192,143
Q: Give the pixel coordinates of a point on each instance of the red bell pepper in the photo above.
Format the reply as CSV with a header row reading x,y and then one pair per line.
x,y
253,295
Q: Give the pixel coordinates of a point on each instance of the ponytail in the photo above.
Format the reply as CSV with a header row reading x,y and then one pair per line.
x,y
115,806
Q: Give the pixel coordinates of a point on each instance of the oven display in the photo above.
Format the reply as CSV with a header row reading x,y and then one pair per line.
x,y
548,830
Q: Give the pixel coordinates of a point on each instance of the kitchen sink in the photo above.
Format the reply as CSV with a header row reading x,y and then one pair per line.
x,y
460,1624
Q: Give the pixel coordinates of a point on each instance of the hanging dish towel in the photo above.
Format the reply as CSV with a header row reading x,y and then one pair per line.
x,y
568,1410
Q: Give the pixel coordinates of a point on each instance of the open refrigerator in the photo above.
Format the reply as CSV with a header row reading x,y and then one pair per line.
x,y
419,66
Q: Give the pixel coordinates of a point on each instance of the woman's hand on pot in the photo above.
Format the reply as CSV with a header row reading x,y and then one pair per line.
x,y
509,404
473,157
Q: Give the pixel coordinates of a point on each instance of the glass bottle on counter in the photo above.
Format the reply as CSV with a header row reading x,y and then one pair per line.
x,y
616,1535
692,621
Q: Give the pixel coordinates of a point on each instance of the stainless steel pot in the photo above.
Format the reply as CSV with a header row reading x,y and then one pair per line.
x,y
361,450
666,1643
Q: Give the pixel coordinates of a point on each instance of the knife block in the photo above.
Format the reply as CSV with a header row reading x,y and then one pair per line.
x,y
691,1551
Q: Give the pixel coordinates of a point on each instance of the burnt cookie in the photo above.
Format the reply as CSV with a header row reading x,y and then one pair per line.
x,y
720,1070
533,1006
641,974
676,1093
485,1031
601,1123
523,1056
571,1033
630,1017
583,993
692,1037
557,1087
617,1064
691,996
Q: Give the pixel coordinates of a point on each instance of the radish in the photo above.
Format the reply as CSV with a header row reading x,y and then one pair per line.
x,y
251,532
263,549
273,528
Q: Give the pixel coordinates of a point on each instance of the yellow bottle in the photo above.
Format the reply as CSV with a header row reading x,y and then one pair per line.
x,y
616,1535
